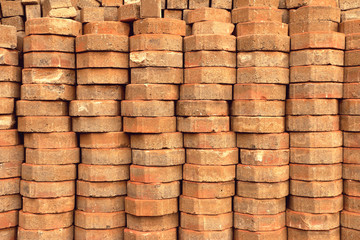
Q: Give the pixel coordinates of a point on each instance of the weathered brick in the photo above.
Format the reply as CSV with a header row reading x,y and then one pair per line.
x,y
56,234
102,42
208,14
200,108
57,26
48,173
149,124
256,14
259,206
308,221
259,92
104,140
91,220
107,27
57,156
205,206
33,189
280,234
97,124
160,26
316,205
316,189
157,191
332,40
308,123
157,141
264,42
301,3
294,233
203,124
129,12
160,157
99,92
48,205
223,75
156,42
317,57
206,222
271,141
247,124
315,13
210,140
140,207
203,173
208,190
262,59
329,172
264,157
100,189
152,223
152,92
147,174
316,139
315,90
212,27
316,73
275,75
102,60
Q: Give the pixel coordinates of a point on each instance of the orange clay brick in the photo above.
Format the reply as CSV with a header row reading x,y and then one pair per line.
x,y
160,157
156,42
151,92
33,189
205,92
316,189
141,190
9,186
201,173
256,14
198,108
44,124
315,13
57,26
210,59
107,27
95,42
261,108
314,73
48,173
210,140
263,141
316,90
329,172
100,189
160,26
156,75
219,157
205,206
208,190
190,234
211,27
259,206
91,220
147,174
45,221
316,205
316,139
48,205
307,40
48,76
49,60
332,234
308,221
96,124
203,124
152,223
259,222
107,156
262,59
280,234
265,27
262,173
273,75
102,60
206,222
258,124
262,190
140,207
308,123
99,92
103,173
149,124
312,107
264,157
317,57
48,43
157,141
263,42
210,42
147,108
208,14
50,140
210,75
324,155
47,92
94,108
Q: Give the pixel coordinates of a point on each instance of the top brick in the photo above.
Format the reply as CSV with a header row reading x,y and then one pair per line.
x,y
256,14
56,26
256,3
8,38
160,26
315,13
208,14
349,4
301,3
107,27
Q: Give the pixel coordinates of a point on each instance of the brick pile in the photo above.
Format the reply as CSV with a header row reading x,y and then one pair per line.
x,y
11,150
203,117
102,62
258,117
349,108
156,62
49,172
316,77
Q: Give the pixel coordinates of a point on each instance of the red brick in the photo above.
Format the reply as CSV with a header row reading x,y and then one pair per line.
x,y
352,41
280,234
315,73
316,139
47,92
190,234
265,27
349,123
8,219
262,190
210,140
205,206
95,42
351,58
351,203
10,202
147,108
149,124
350,27
129,12
48,76
198,108
172,13
259,206
156,75
301,3
33,189
98,204
152,223
103,173
44,124
56,26
206,222
157,141
259,222
210,75
205,92
308,123
52,156
96,124
176,4
263,141
55,234
92,14
316,90
7,122
9,89
94,108
315,13
262,59
264,42
332,40
350,171
328,172
140,207
195,4
264,157
258,124
352,188
99,92
156,59
217,157
156,42
316,155
203,124
162,157
153,174
10,73
208,190
202,173
100,189
332,234
49,60
8,38
308,221
104,140
51,173
312,107
48,205
50,140
41,108
10,154
107,156
165,234
316,205
256,14
208,14
275,75
256,3
81,233
102,76
89,220
317,57
210,42
262,173
45,221
102,60
157,191
316,189
9,186
210,59
159,26
48,43
259,92
313,26
107,27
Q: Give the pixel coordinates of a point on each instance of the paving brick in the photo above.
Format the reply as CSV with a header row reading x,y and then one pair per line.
x,y
202,173
12,8
351,188
210,140
351,139
352,41
316,205
195,4
350,171
147,108
205,92
256,14
351,58
7,122
205,206
262,59
159,26
102,42
312,107
313,26
40,108
45,43
190,234
9,186
208,14
157,191
351,203
89,220
100,189
149,124
97,124
157,141
9,219
262,190
264,157
33,189
102,60
210,59
316,139
350,27
156,59
263,141
44,124
10,74
161,157
308,123
317,57
259,222
140,207
107,27
217,157
256,3
212,27
316,189
104,140
102,76
259,92
99,92
152,223
206,222
8,38
49,60
48,76
50,140
81,233
315,90
99,204
150,9
10,202
45,221
315,13
212,75
316,155
155,75
203,124
258,124
12,154
9,137
56,234
308,221
156,42
294,233
129,12
212,42
224,4
147,174
48,205
107,156
176,4
208,189
262,173
259,206
94,108
264,27
9,57
351,155
201,108
48,173
103,173
348,123
332,40
280,234
273,75
165,234
329,172
47,92
264,42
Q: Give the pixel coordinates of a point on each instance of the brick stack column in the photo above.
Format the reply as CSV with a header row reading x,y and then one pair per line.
x,y
349,109
203,116
11,152
316,77
49,173
258,117
156,62
102,62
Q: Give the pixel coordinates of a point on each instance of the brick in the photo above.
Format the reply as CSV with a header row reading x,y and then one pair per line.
x,y
68,12
262,59
317,57
41,108
48,76
172,13
351,90
259,222
208,189
294,233
48,173
203,124
49,60
7,122
263,141
56,234
57,26
103,173
147,108
316,139
316,205
140,207
352,41
50,205
102,60
107,156
44,124
8,39
205,206
349,233
351,203
247,124
348,123
16,21
264,157
81,233
95,42
262,173
208,14
332,40
92,14
94,108
329,172
210,140
315,90
9,137
129,12
12,8
9,219
10,202
107,27
156,42
33,189
152,223
176,4
259,92
312,107
350,27
162,157
52,156
165,234
210,42
351,188
9,186
259,206
351,155
156,75
256,14
202,173
147,174
273,75
313,26
259,28
97,124
308,123
10,169
84,3
150,9
280,234
104,140
316,155
205,92
102,76
156,59
12,154
99,92
206,222
190,234
345,4
262,190
92,220
217,157
301,3
316,189
254,3
212,27
9,57
350,171
195,4
149,124
9,90
200,108
10,73
315,13
159,26
210,59
210,75
351,139
50,140
157,141
351,58
157,191
308,221
100,189
263,42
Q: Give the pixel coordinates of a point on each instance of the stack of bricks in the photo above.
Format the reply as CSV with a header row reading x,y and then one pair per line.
x,y
316,77
156,62
102,69
48,176
349,108
11,152
12,14
258,117
203,117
